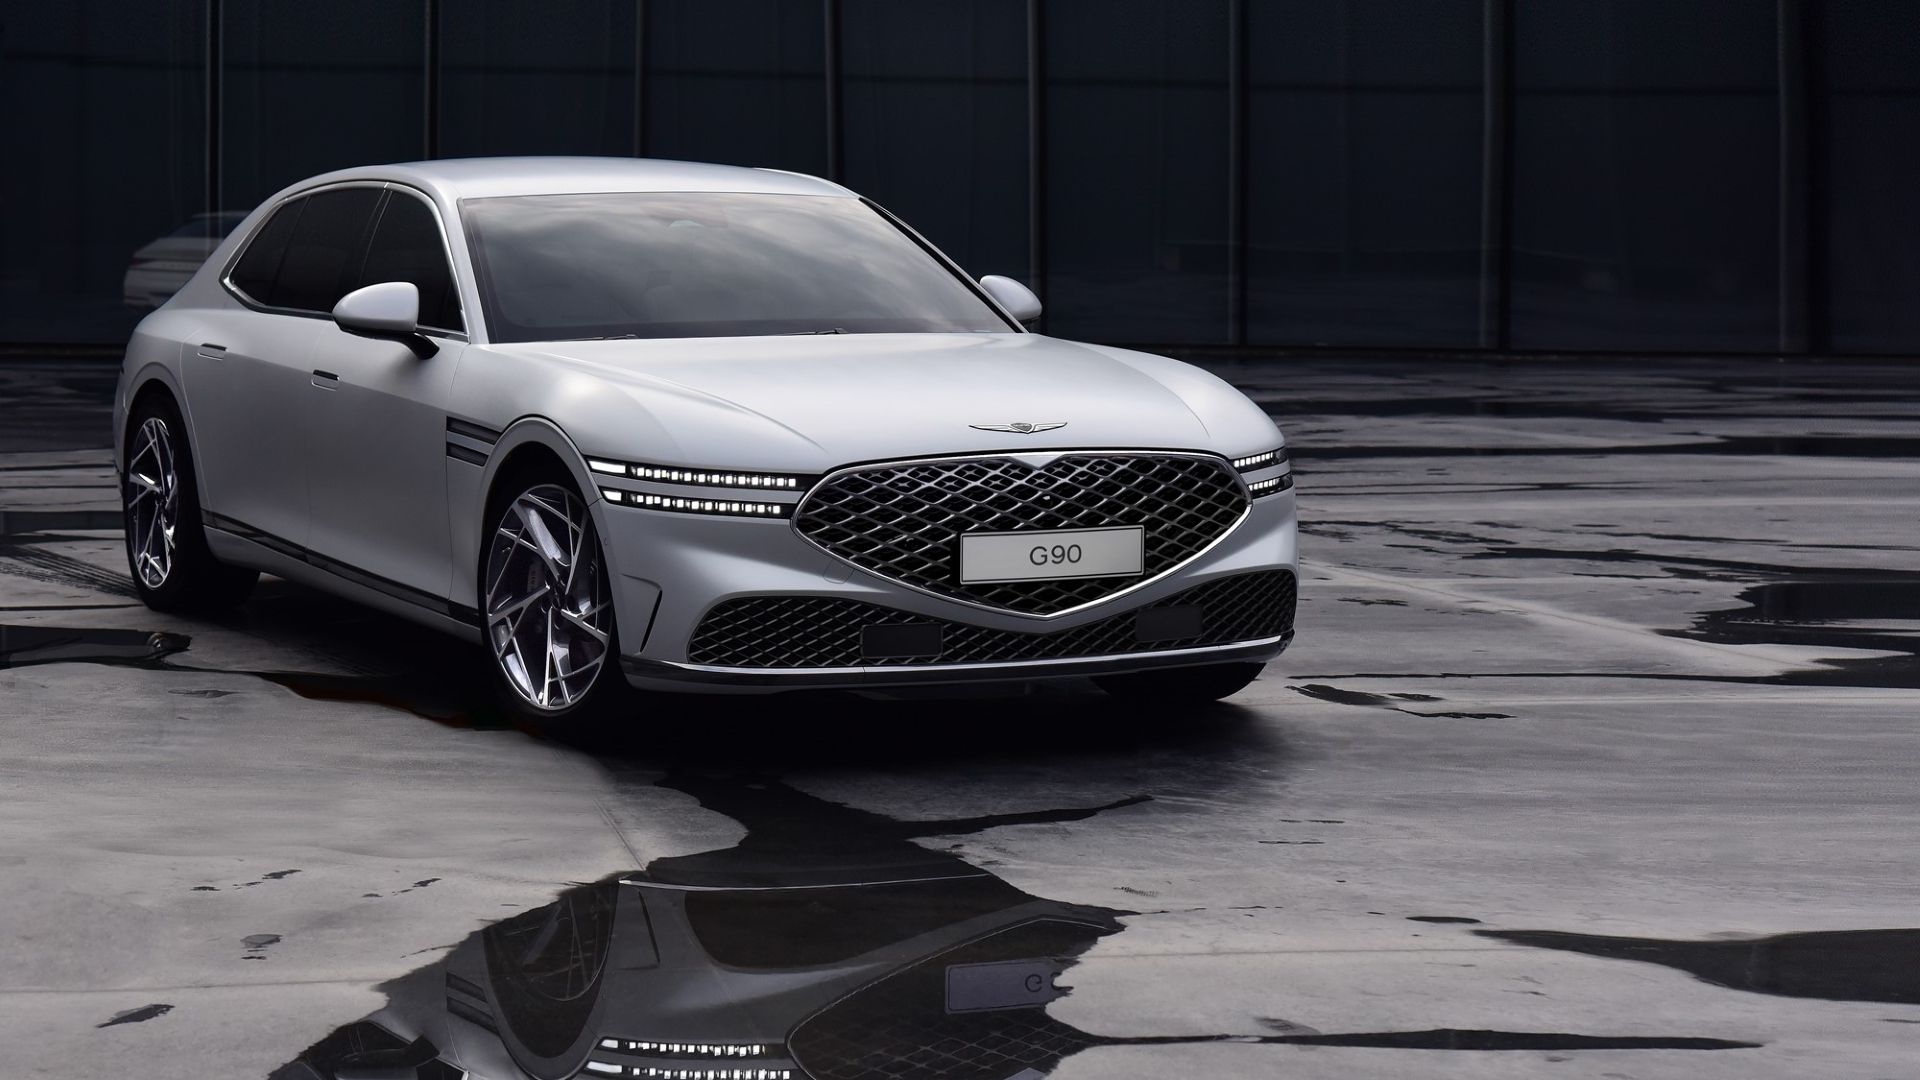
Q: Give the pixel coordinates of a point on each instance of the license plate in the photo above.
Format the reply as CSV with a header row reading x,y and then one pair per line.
x,y
1066,553
1009,984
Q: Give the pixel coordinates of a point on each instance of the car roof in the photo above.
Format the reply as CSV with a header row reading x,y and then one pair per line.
x,y
481,178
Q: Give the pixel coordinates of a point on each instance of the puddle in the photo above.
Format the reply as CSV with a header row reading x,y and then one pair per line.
x,y
15,523
139,1015
21,646
1879,613
1340,696
1821,446
1837,608
827,943
1840,965
456,698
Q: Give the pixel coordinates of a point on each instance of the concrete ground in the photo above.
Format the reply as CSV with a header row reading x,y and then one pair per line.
x,y
1597,756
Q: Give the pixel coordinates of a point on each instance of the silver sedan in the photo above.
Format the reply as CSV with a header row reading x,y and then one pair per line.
x,y
657,425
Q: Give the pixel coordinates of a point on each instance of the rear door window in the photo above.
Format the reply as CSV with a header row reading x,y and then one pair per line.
x,y
254,274
406,246
325,250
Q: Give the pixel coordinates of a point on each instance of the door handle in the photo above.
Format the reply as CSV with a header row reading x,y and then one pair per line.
x,y
326,380
213,352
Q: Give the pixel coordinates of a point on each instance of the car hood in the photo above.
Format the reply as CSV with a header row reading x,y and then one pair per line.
x,y
832,399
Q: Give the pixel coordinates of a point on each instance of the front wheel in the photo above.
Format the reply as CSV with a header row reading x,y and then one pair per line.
x,y
1181,686
173,568
548,616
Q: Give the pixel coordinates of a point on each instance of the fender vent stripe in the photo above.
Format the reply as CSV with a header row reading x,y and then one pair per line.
x,y
473,431
469,442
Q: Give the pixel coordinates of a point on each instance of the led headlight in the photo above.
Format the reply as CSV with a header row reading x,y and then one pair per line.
x,y
689,1049
674,474
646,500
1271,485
1251,462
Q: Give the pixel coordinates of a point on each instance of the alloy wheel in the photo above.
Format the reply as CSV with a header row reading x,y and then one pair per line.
x,y
548,617
153,502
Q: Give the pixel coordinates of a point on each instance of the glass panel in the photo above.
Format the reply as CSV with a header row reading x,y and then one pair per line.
x,y
102,112
1645,193
406,246
739,82
323,258
308,88
1364,172
259,266
520,78
705,264
935,118
1871,182
1136,170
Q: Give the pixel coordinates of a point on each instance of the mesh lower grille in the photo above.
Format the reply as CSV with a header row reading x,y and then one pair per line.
x,y
830,631
904,521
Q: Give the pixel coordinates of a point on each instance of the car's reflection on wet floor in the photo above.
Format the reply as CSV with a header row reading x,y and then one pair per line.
x,y
827,943
827,940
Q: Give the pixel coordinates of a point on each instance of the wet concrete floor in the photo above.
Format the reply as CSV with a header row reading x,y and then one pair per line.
x,y
1595,758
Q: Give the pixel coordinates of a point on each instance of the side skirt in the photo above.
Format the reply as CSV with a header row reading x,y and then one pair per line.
x,y
237,542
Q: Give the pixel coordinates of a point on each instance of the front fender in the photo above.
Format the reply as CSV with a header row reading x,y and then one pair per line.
x,y
468,487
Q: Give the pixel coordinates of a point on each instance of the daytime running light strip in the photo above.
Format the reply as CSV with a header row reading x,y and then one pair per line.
x,y
708,477
608,1068
1277,456
680,504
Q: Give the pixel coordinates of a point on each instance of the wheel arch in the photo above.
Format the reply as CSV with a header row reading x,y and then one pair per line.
x,y
155,380
531,438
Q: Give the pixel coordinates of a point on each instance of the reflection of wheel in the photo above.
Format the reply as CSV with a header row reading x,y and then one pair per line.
x,y
1193,686
545,966
549,618
167,553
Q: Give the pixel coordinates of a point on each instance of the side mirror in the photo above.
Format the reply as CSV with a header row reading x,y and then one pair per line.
x,y
389,311
1015,297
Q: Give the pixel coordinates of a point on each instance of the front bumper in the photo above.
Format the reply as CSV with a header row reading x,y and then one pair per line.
x,y
670,570
665,675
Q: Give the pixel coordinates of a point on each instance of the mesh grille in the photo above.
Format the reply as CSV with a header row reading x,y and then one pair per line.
x,y
828,631
904,521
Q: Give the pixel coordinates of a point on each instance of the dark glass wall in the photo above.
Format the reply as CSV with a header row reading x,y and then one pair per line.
x,y
103,125
741,82
1868,184
519,78
934,117
1136,165
1500,175
305,88
1645,176
1364,146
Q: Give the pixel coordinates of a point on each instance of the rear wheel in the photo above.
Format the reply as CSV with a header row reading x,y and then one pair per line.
x,y
548,612
1181,686
173,568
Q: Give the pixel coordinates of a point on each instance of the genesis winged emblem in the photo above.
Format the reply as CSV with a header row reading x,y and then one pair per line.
x,y
1020,427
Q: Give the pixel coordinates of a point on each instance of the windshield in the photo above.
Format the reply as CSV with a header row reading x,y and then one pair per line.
x,y
707,264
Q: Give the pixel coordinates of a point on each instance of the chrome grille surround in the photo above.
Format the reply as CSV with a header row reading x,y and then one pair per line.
x,y
794,632
903,520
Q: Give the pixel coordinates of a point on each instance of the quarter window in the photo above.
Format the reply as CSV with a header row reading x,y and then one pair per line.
x,y
407,247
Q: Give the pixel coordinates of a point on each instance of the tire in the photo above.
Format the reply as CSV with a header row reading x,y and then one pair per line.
x,y
543,587
172,567
1181,686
